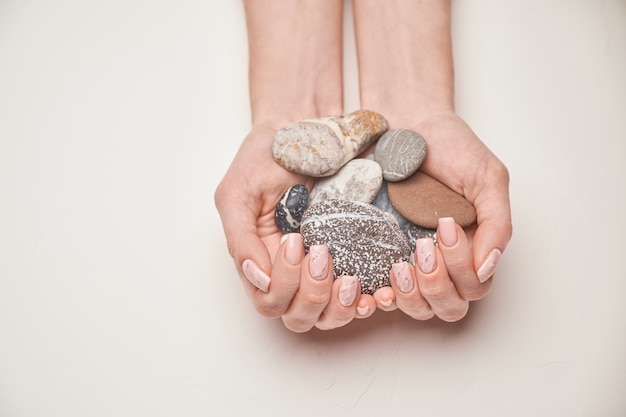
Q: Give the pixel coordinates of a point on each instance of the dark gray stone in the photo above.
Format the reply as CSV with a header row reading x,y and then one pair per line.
x,y
362,240
290,209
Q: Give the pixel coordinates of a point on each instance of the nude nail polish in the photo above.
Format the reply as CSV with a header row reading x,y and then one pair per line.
x,y
347,290
402,275
425,255
254,274
318,261
447,231
293,249
488,268
362,311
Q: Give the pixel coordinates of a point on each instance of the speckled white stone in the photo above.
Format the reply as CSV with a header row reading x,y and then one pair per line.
x,y
358,180
363,241
320,147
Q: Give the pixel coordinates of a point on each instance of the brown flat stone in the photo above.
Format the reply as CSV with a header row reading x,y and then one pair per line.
x,y
423,200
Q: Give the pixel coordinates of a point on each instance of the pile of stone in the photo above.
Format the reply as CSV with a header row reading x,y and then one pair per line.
x,y
368,211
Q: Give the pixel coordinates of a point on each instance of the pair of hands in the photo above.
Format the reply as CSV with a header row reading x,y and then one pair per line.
x,y
284,282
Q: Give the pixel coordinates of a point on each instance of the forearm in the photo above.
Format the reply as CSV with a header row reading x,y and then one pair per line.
x,y
405,58
295,59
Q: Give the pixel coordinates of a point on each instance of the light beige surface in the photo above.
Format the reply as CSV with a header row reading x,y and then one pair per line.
x,y
117,295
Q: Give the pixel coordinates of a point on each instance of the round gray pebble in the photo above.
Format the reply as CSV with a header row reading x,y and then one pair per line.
x,y
400,152
290,209
362,240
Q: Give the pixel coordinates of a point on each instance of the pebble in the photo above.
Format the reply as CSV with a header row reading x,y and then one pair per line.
x,y
414,232
400,152
290,209
362,240
358,180
320,147
423,200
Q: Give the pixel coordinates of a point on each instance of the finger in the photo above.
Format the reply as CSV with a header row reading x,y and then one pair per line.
x,y
365,306
495,228
313,294
435,284
239,220
409,299
385,299
285,278
457,254
341,308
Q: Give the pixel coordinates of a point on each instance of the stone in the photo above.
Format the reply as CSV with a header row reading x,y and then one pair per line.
x,y
320,147
411,231
362,240
290,209
414,232
358,180
423,200
400,152
382,202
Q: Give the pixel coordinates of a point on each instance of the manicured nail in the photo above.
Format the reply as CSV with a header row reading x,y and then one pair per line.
x,y
447,231
318,258
362,311
386,303
254,274
347,290
425,255
293,250
488,267
402,274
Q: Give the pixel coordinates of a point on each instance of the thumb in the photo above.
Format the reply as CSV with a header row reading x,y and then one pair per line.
x,y
245,246
493,232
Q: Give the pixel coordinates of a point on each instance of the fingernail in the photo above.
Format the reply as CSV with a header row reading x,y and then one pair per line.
x,y
254,274
402,274
347,290
318,258
362,311
293,250
425,255
386,303
488,267
447,231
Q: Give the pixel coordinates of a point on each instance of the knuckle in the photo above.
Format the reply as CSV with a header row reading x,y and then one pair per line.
x,y
434,293
270,308
296,325
316,302
475,293
455,314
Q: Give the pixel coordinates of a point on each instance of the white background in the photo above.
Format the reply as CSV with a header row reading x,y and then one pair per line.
x,y
117,294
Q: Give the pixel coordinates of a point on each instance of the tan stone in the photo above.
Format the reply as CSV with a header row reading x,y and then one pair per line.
x,y
320,147
423,200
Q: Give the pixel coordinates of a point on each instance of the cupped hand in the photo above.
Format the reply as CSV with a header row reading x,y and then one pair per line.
x,y
280,280
445,278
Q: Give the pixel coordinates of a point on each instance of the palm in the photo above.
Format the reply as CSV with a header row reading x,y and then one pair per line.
x,y
263,182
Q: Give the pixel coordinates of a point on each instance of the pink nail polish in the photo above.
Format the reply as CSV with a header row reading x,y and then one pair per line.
x,y
362,311
318,258
447,231
488,268
347,290
254,274
293,250
402,275
425,255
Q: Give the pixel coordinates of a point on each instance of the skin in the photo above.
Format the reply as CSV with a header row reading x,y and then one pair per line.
x,y
414,89
295,73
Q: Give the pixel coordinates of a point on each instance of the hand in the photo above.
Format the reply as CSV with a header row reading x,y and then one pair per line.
x,y
278,277
447,277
